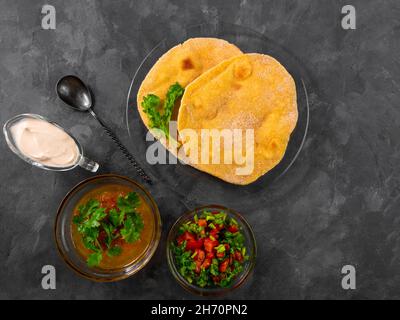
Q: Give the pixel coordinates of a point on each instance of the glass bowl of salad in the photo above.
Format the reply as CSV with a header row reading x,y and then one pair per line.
x,y
211,250
107,228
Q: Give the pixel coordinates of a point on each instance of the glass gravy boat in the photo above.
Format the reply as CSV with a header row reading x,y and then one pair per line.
x,y
81,160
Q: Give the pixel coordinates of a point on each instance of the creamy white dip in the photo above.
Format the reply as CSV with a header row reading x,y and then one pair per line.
x,y
45,143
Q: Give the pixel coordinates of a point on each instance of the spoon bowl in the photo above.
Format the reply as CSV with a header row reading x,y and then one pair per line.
x,y
74,93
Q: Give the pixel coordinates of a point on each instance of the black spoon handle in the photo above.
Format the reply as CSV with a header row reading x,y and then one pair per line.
x,y
124,150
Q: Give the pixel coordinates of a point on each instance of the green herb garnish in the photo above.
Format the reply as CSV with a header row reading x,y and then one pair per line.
x,y
94,259
133,226
151,105
120,222
114,251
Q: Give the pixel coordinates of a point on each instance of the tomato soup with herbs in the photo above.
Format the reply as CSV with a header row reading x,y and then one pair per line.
x,y
112,226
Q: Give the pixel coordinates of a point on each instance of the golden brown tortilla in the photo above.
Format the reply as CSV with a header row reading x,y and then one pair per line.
x,y
183,63
250,91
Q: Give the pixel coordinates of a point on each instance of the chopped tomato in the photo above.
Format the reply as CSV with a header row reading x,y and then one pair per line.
x,y
210,255
202,222
214,233
108,200
206,264
227,247
186,236
232,228
219,227
198,266
210,244
200,255
223,265
238,256
194,244
220,254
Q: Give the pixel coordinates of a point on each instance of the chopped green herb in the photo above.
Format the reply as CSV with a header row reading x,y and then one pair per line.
x,y
109,229
151,105
94,259
214,267
129,203
133,226
100,228
235,240
116,218
114,251
220,248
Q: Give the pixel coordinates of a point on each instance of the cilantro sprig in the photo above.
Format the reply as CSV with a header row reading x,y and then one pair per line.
x,y
151,105
133,226
122,222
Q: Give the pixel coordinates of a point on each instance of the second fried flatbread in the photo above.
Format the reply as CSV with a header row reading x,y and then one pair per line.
x,y
250,91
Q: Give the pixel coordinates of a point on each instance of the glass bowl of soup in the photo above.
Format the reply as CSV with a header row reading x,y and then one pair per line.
x,y
107,228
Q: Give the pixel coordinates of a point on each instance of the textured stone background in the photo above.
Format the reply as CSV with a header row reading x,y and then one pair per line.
x,y
338,205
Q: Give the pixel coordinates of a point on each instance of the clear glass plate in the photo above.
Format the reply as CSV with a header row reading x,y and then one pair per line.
x,y
184,179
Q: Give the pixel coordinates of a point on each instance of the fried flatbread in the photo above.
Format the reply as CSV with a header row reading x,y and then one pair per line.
x,y
183,63
250,91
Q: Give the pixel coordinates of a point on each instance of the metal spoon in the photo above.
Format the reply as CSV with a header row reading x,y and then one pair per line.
x,y
76,94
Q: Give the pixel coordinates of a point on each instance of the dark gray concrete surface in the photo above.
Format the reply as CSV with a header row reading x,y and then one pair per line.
x,y
339,204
